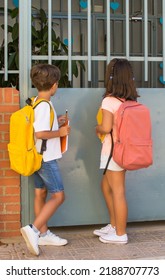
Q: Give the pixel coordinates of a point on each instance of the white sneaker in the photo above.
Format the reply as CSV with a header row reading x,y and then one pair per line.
x,y
51,239
114,238
31,239
104,230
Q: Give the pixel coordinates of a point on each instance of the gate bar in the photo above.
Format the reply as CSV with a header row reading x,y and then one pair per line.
x,y
108,32
163,43
145,40
127,30
69,40
49,31
89,41
5,40
24,49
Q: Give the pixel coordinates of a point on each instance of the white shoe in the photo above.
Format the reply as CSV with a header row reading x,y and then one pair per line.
x,y
104,230
51,239
114,238
31,239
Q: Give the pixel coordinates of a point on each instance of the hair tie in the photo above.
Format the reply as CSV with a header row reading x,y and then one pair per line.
x,y
111,77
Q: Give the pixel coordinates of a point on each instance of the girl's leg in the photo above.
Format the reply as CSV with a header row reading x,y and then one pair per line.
x,y
116,180
107,192
49,209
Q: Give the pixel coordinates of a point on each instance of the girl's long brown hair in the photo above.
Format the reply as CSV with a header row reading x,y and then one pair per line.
x,y
119,80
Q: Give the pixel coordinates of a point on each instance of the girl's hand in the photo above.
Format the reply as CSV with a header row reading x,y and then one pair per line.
x,y
99,135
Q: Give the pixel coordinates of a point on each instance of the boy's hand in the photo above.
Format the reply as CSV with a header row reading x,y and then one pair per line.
x,y
62,120
64,130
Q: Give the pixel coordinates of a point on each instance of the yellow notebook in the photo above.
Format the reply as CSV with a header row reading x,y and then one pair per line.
x,y
99,117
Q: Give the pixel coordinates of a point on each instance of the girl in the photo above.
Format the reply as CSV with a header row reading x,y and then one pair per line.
x,y
120,86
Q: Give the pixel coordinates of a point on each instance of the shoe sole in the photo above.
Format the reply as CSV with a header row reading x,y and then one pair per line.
x,y
113,242
30,247
98,234
101,234
50,244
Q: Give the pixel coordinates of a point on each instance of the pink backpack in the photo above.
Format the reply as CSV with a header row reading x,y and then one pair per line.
x,y
133,148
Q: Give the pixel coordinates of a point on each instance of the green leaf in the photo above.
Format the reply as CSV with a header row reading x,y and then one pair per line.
x,y
45,37
55,47
82,65
34,32
15,32
63,67
37,43
74,69
64,47
9,28
14,13
11,60
44,50
53,35
2,10
17,60
43,16
39,34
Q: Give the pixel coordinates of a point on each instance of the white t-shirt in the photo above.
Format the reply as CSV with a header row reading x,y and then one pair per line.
x,y
42,123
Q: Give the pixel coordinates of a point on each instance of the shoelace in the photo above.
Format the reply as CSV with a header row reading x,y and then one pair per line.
x,y
107,226
52,234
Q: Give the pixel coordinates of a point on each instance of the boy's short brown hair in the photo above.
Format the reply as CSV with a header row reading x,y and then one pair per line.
x,y
44,76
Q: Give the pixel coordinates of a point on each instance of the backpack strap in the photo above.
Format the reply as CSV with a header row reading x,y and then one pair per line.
x,y
119,99
30,102
110,156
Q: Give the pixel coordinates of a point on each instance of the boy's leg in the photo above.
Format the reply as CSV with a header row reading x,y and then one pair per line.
x,y
31,235
39,202
49,209
47,237
49,176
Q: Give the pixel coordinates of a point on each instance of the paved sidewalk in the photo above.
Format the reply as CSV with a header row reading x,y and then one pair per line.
x,y
146,241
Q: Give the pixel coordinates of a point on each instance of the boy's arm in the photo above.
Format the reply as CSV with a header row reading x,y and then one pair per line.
x,y
62,131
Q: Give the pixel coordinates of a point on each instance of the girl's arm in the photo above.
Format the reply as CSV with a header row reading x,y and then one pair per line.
x,y
107,122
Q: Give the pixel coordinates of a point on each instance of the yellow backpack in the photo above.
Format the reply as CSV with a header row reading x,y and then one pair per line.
x,y
24,158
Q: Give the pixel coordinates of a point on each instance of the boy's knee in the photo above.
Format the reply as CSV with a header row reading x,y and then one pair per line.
x,y
60,196
40,193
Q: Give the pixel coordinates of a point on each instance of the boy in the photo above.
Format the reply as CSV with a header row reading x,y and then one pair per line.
x,y
45,78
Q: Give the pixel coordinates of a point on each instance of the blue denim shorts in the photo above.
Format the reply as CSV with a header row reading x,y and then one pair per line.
x,y
49,177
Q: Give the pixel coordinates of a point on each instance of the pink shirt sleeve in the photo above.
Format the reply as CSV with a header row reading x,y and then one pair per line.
x,y
110,104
